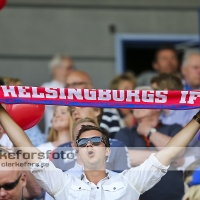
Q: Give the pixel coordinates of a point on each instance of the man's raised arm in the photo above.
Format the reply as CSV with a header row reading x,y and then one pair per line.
x,y
178,142
17,136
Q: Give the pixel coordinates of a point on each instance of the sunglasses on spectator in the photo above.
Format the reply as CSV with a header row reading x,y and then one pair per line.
x,y
76,84
10,186
95,141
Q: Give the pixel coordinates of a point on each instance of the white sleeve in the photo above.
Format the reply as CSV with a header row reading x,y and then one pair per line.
x,y
145,176
50,178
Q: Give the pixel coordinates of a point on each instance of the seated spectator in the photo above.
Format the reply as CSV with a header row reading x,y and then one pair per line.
x,y
171,82
165,61
60,66
191,71
124,81
93,148
81,80
118,148
147,136
193,192
60,132
182,117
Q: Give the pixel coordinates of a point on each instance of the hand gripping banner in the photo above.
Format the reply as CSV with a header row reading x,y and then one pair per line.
x,y
174,100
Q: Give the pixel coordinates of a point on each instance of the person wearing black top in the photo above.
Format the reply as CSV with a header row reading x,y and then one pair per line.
x,y
147,136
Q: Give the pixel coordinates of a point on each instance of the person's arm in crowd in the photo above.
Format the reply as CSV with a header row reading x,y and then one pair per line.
x,y
159,140
178,142
17,136
137,157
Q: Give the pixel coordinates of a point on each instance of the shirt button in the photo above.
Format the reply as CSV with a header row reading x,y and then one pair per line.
x,y
114,188
79,188
97,187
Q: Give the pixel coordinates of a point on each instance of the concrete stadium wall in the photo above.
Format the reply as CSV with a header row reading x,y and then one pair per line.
x,y
32,31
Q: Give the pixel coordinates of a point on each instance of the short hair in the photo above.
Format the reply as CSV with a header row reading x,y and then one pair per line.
x,y
56,60
12,81
128,76
99,118
103,132
167,81
87,119
168,47
188,54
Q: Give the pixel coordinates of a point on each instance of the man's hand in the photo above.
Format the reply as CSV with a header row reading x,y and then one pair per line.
x,y
144,128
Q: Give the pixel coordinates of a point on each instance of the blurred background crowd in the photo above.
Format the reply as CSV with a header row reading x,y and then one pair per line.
x,y
73,44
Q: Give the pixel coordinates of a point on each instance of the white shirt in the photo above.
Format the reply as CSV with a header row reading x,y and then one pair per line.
x,y
126,185
5,141
77,170
48,114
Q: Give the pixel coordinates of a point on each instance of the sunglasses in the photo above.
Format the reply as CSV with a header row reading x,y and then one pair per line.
x,y
10,186
94,140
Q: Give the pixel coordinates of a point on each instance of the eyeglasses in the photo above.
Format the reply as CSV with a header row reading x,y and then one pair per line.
x,y
76,84
94,140
10,186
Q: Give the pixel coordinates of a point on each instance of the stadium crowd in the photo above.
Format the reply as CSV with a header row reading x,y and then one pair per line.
x,y
108,153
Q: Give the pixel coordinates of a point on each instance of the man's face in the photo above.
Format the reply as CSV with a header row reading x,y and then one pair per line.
x,y
7,177
78,81
145,114
78,113
61,118
167,62
93,157
191,71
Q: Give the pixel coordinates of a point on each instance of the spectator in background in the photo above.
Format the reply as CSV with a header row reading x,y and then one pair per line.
x,y
165,61
191,71
81,80
60,131
147,136
182,117
124,81
118,160
60,66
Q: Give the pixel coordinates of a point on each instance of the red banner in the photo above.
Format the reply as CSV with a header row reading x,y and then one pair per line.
x,y
175,100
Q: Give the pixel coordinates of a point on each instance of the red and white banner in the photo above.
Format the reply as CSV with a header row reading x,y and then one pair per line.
x,y
175,100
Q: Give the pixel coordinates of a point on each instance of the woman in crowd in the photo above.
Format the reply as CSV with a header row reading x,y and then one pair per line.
x,y
124,81
60,130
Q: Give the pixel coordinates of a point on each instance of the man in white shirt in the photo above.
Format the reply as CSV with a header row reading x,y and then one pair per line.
x,y
93,147
60,66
